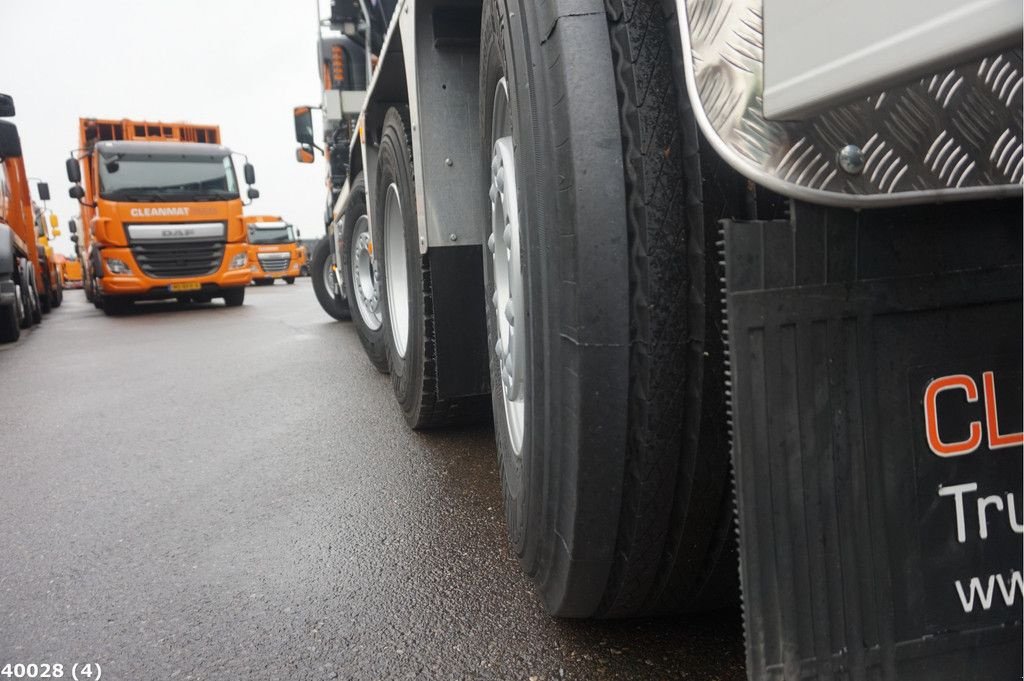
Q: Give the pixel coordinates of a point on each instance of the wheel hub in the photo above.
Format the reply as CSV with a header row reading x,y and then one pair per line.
x,y
505,247
396,270
365,275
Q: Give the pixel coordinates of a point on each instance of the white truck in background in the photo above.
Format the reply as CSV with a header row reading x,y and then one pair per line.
x,y
711,266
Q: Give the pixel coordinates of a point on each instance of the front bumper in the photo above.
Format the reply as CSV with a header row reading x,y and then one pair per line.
x,y
143,287
292,271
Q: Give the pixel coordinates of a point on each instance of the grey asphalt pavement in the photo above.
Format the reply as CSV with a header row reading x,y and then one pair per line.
x,y
211,493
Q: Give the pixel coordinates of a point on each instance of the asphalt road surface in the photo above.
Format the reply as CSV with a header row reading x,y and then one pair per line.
x,y
211,493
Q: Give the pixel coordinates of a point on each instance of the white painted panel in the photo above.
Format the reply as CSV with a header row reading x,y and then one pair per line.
x,y
818,53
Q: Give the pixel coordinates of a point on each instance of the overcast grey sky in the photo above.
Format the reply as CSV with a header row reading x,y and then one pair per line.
x,y
242,64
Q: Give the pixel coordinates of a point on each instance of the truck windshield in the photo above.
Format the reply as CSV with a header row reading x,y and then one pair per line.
x,y
271,235
172,177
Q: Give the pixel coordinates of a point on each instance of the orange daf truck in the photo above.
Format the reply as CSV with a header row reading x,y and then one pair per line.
x,y
274,249
21,278
161,213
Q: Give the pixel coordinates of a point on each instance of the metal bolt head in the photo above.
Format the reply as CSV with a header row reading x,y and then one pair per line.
x,y
453,237
851,159
448,162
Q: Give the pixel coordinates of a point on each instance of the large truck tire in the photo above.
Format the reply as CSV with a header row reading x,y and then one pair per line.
x,y
331,298
31,308
46,295
58,292
362,276
406,290
10,329
611,430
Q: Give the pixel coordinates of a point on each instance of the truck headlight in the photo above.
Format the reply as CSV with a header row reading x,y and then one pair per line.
x,y
118,266
239,261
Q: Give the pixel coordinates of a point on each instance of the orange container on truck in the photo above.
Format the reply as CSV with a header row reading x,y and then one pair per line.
x,y
161,213
274,249
20,275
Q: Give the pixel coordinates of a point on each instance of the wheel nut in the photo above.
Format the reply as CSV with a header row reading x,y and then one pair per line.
x,y
851,159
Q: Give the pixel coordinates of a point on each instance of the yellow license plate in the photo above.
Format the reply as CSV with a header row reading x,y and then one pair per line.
x,y
189,286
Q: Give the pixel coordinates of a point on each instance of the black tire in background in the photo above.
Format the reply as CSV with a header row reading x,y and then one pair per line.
x,y
413,368
10,329
35,299
46,296
234,297
58,292
371,338
331,299
289,280
617,499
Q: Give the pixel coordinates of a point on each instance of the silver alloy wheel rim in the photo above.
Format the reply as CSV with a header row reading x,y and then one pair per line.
x,y
505,247
330,281
396,271
365,279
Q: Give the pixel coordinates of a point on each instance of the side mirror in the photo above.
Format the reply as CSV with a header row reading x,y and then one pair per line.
x,y
74,239
76,192
298,234
74,170
304,155
253,193
44,191
72,227
250,173
10,142
54,221
303,125
6,106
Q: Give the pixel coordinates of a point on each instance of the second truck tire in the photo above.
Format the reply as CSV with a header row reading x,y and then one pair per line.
x,y
362,276
612,445
406,289
331,298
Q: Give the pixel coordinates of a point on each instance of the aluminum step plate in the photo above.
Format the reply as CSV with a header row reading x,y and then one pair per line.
x,y
952,135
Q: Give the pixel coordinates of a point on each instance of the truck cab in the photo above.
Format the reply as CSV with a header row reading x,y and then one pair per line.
x,y
161,214
274,250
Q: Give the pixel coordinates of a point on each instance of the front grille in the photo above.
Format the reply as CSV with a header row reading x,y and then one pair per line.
x,y
274,262
167,259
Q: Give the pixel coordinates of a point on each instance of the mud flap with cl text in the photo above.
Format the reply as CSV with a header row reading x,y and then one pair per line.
x,y
876,362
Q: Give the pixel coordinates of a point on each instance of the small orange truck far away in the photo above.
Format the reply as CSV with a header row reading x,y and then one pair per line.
x,y
274,250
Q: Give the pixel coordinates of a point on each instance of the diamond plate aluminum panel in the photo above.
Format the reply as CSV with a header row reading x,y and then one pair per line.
x,y
952,135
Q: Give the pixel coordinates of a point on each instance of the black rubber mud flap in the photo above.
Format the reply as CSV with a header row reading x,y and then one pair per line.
x,y
876,366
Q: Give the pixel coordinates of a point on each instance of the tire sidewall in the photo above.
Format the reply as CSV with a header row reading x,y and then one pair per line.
x,y
394,167
335,307
373,340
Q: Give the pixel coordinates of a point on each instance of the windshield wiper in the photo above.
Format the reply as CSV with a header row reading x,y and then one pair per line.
x,y
215,195
129,195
